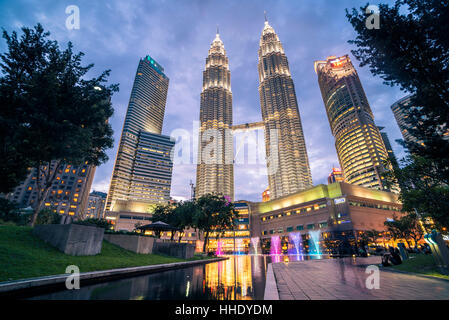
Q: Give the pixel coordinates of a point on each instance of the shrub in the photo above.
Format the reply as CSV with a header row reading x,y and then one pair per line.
x,y
9,211
101,223
47,216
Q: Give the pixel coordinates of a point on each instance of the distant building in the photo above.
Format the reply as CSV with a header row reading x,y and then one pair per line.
x,y
266,195
335,176
96,204
388,146
360,148
143,166
68,194
401,110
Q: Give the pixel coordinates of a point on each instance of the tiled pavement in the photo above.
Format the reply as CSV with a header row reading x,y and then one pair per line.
x,y
344,279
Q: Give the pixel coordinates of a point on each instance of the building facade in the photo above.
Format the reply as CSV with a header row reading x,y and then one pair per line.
x,y
334,212
360,148
68,194
143,165
215,168
287,161
400,110
388,146
95,205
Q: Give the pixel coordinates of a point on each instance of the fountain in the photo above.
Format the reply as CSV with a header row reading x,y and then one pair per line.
x,y
255,245
314,243
297,248
219,250
238,246
275,247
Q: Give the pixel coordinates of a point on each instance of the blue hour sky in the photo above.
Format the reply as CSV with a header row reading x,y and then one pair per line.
x,y
177,34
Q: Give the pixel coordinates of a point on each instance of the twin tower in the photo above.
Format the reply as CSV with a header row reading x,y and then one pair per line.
x,y
287,161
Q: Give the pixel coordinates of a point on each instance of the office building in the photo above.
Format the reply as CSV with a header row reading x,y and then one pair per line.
x,y
287,161
360,148
143,166
215,168
68,194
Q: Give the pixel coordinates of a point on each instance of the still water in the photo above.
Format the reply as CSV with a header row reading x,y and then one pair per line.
x,y
241,277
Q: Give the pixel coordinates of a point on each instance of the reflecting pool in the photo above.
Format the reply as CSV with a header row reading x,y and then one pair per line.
x,y
241,277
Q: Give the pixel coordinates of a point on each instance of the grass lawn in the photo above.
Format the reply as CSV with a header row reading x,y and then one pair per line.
x,y
420,263
22,255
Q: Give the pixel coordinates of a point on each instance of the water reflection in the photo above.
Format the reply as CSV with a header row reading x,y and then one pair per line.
x,y
241,277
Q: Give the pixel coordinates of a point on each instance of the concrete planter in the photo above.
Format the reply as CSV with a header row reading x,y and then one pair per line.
x,y
72,239
137,244
174,249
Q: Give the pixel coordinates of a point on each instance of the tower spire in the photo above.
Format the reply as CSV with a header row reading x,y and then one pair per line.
x,y
217,30
265,14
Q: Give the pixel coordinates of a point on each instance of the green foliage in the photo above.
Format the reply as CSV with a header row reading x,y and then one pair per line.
x,y
421,189
411,50
406,227
207,214
9,211
214,213
49,110
101,223
22,255
48,216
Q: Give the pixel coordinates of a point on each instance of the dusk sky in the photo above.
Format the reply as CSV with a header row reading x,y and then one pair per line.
x,y
178,33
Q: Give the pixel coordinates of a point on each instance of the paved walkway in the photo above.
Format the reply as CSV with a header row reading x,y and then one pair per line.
x,y
344,279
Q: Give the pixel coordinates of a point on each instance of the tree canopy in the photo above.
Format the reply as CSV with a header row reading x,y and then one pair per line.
x,y
51,113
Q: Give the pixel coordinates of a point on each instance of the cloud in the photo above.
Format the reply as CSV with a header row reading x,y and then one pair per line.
x,y
115,34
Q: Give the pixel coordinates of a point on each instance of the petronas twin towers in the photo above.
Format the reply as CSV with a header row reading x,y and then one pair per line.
x,y
287,161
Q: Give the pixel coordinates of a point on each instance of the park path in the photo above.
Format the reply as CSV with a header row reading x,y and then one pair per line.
x,y
344,279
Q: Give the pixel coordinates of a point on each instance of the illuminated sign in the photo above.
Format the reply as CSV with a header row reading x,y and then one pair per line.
x,y
339,200
337,63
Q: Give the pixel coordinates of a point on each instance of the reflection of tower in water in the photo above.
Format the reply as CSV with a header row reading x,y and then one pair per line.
x,y
230,279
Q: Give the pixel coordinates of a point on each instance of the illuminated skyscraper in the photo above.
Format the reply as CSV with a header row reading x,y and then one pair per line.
x,y
287,161
143,166
360,148
215,169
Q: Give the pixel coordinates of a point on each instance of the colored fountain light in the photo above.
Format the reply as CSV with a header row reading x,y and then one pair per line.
x,y
275,248
255,245
297,248
314,242
219,250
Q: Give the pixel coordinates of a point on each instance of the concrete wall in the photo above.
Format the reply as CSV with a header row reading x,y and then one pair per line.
x,y
137,244
174,249
72,239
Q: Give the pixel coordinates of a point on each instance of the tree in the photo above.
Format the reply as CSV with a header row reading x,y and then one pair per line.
x,y
215,213
411,50
53,115
421,189
370,236
407,227
398,229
